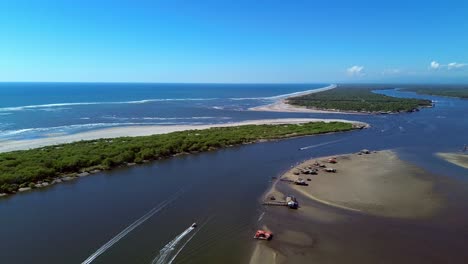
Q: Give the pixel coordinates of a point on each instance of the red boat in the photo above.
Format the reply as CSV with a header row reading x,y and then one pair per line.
x,y
263,235
332,160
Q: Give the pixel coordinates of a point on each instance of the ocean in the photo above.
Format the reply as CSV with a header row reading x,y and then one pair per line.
x,y
35,110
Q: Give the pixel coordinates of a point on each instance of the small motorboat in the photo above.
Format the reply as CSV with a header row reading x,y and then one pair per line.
x,y
263,235
194,225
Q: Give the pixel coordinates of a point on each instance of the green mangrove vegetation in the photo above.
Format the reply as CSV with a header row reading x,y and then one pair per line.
x,y
447,90
30,168
357,99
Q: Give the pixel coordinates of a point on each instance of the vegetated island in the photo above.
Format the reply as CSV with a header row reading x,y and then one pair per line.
x,y
364,183
40,167
459,91
347,99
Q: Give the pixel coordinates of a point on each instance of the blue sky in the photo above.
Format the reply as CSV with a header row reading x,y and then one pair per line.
x,y
234,41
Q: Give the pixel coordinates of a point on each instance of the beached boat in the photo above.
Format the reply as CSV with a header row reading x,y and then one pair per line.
x,y
263,235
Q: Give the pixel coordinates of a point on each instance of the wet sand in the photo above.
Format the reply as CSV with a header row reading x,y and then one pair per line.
x,y
134,131
377,190
455,158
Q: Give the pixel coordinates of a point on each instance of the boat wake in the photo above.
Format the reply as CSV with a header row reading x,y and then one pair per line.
x,y
130,228
169,247
321,144
166,251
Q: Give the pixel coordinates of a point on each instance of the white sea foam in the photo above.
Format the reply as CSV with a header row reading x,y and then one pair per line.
x,y
45,106
167,118
6,133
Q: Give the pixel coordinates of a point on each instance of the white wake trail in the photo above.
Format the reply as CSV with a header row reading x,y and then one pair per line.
x,y
321,144
164,253
169,247
182,247
129,229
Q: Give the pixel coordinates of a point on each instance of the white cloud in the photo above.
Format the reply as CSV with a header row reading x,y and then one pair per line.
x,y
356,71
451,66
391,71
435,65
455,65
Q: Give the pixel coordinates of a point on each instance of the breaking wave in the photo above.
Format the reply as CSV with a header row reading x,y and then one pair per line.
x,y
57,106
168,118
70,128
47,106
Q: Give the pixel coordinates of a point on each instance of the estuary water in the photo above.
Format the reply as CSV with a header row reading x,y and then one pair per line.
x,y
86,221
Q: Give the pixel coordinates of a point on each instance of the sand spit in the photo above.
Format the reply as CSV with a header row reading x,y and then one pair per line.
x,y
377,185
458,159
282,106
134,131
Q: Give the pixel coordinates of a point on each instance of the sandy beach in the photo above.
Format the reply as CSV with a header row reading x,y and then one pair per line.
x,y
282,106
377,185
458,159
133,131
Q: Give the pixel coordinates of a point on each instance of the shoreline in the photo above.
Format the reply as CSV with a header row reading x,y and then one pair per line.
x,y
377,185
282,106
135,131
259,130
458,159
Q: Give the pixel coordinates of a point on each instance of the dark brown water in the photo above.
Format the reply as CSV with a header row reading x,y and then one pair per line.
x,y
69,222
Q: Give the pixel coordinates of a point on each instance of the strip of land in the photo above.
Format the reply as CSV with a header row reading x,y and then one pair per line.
x,y
458,91
345,99
281,105
458,159
39,167
137,131
377,184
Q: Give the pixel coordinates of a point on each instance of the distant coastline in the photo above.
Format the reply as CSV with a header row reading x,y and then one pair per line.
x,y
344,100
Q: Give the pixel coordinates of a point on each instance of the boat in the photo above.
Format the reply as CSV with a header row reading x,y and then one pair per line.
x,y
194,225
263,235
